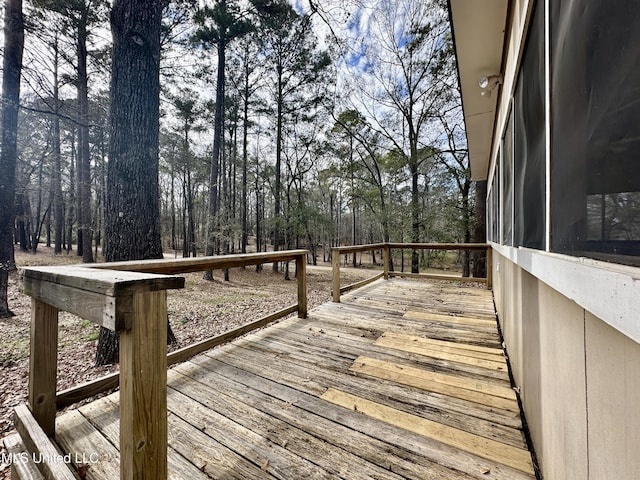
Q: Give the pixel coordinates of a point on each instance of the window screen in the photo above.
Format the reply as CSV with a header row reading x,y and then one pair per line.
x,y
489,224
529,133
492,211
596,129
496,202
507,183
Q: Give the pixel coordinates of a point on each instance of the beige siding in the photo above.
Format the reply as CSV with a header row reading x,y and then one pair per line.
x,y
613,399
579,380
563,428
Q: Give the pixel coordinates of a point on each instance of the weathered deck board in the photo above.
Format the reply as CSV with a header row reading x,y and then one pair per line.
x,y
403,379
320,378
490,449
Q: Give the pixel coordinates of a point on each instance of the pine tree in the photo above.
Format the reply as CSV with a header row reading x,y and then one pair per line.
x,y
132,213
12,66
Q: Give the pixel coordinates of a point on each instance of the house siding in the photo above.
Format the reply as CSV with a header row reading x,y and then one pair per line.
x,y
578,379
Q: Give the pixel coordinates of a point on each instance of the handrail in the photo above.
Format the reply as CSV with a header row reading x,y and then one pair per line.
x,y
186,265
201,264
440,246
387,247
134,305
130,298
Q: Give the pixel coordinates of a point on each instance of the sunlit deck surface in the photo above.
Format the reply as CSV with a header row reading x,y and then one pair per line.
x,y
403,379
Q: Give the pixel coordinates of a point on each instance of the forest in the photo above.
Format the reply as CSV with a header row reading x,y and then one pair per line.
x,y
271,125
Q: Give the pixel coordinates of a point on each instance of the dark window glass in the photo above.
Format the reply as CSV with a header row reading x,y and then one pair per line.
x,y
496,204
490,217
595,48
492,213
507,183
530,148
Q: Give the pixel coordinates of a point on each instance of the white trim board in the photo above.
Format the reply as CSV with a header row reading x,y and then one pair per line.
x,y
611,292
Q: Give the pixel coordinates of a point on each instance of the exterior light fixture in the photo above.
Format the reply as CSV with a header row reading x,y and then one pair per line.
x,y
488,83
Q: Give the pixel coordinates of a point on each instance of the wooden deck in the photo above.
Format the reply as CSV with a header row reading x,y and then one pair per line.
x,y
403,379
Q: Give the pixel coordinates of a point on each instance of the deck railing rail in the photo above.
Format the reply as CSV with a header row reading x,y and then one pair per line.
x,y
129,298
387,248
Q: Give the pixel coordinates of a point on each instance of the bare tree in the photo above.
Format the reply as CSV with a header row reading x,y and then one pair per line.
x,y
403,82
290,47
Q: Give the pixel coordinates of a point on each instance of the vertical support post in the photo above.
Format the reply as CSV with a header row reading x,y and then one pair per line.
x,y
335,261
301,269
385,253
489,267
43,364
143,389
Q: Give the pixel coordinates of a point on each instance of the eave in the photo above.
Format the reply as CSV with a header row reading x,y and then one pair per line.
x,y
479,36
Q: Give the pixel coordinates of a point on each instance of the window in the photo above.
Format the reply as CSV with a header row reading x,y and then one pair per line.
x,y
507,183
595,95
493,211
530,145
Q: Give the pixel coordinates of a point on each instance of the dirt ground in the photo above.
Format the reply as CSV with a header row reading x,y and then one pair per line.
x,y
202,309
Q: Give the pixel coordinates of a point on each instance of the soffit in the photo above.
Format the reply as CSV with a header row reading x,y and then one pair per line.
x,y
479,36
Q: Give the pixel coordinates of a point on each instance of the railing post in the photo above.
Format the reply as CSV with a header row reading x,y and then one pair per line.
x,y
43,364
335,261
489,267
301,269
385,254
143,389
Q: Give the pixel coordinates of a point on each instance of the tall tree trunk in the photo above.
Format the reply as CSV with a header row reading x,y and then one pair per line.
x,y
215,159
36,227
466,218
47,217
101,193
480,230
277,228
191,228
173,208
58,208
234,179
415,215
21,220
185,216
78,208
72,196
334,225
245,162
354,202
12,66
47,223
132,226
84,157
189,247
259,210
226,208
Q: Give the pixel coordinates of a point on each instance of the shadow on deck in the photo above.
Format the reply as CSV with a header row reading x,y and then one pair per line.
x,y
403,379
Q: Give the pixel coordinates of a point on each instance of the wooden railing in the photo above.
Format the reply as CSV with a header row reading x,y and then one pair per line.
x,y
130,298
198,264
387,248
133,304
